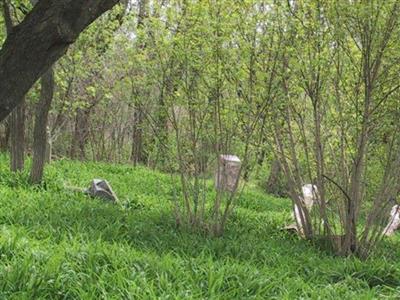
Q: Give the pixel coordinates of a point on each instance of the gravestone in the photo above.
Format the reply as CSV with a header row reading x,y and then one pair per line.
x,y
102,189
394,221
310,195
227,175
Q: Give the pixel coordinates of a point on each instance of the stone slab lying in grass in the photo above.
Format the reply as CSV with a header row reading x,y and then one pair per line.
x,y
100,188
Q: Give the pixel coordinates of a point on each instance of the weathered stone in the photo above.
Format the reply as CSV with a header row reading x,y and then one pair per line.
x,y
292,228
102,189
310,195
227,175
394,221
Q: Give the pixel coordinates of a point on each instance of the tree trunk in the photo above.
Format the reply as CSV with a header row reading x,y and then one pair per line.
x,y
273,185
39,41
81,134
49,146
137,154
17,119
17,133
40,139
5,136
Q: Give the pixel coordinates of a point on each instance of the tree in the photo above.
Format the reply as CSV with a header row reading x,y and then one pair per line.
x,y
40,140
137,153
17,118
40,40
338,78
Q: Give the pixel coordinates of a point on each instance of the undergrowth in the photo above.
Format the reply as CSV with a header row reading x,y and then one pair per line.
x,y
57,243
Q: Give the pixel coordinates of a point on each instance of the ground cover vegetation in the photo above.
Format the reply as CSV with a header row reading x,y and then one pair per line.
x,y
208,118
60,244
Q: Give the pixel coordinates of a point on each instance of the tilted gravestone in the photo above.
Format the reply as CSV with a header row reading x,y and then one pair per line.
x,y
227,175
310,195
102,189
394,221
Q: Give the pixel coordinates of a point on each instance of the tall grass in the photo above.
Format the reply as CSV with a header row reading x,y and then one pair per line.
x,y
60,244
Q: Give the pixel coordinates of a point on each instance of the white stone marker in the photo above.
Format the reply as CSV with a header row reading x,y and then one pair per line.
x,y
394,222
227,176
102,189
310,195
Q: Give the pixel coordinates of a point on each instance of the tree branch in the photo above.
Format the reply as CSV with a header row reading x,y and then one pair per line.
x,y
39,41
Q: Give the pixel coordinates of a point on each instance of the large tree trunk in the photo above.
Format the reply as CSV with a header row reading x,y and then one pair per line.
x,y
40,143
4,136
17,133
17,119
39,41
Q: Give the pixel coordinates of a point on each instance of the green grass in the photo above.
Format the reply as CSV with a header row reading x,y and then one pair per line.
x,y
58,244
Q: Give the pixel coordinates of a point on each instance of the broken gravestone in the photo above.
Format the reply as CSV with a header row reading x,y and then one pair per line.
x,y
100,188
310,195
227,175
394,221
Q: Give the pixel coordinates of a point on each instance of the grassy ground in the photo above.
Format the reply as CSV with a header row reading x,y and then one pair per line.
x,y
57,244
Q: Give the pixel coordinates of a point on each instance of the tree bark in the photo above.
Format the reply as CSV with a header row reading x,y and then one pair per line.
x,y
137,154
17,119
17,133
273,185
39,41
40,142
5,136
81,134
